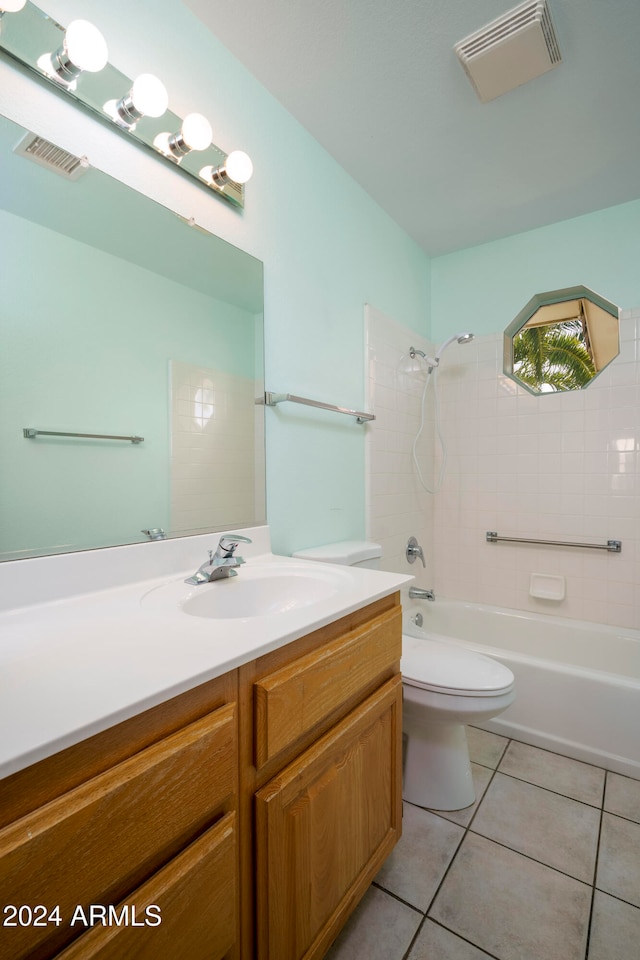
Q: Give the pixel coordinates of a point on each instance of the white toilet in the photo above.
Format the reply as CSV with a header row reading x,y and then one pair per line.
x,y
444,688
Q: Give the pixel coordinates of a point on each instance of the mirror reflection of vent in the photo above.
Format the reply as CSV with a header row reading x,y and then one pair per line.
x,y
517,47
48,155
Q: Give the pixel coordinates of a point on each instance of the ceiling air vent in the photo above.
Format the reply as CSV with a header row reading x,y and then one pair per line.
x,y
517,47
50,156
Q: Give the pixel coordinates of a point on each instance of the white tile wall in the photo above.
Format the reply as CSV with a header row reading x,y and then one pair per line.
x,y
214,448
561,467
397,507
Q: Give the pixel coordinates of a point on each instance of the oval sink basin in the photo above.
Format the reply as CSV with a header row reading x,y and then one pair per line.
x,y
254,592
244,597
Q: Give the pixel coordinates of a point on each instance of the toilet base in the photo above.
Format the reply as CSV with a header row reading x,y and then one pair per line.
x,y
437,772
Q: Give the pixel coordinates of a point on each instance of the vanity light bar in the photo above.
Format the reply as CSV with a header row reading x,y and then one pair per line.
x,y
74,60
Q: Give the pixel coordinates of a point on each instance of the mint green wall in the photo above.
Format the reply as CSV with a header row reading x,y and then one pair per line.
x,y
327,248
87,350
483,288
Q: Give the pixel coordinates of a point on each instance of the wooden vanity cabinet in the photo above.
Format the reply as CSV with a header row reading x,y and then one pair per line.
x,y
321,779
250,814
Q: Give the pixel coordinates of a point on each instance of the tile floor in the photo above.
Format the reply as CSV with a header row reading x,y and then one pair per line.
x,y
544,866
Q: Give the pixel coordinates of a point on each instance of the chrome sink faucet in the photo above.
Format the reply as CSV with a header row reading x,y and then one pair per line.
x,y
222,561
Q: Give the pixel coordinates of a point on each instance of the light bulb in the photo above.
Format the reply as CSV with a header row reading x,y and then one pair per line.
x,y
237,168
147,98
149,95
11,6
83,48
195,134
196,131
86,46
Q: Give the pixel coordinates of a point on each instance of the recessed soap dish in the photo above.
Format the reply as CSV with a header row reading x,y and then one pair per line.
x,y
546,586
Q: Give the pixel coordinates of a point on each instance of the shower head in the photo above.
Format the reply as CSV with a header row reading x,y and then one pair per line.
x,y
434,361
456,338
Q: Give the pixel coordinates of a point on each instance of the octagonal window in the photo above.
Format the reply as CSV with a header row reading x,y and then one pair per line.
x,y
561,340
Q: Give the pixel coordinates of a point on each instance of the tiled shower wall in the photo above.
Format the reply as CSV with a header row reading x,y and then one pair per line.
x,y
397,507
557,466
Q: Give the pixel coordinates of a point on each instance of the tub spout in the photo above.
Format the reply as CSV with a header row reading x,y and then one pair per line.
x,y
417,593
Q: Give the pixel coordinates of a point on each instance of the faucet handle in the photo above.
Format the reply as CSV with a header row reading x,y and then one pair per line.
x,y
229,542
414,550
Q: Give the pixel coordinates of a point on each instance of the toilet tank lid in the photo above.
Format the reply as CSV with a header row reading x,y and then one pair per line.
x,y
346,552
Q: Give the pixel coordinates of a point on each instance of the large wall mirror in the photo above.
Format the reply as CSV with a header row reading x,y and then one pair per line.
x,y
118,319
561,340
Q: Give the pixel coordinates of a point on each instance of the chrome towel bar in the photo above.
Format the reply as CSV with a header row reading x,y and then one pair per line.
x,y
30,432
271,399
613,546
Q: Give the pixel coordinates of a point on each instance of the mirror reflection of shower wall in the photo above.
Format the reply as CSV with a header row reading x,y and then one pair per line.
x,y
213,466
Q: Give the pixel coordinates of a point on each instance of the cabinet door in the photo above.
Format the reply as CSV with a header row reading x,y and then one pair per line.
x,y
325,825
187,911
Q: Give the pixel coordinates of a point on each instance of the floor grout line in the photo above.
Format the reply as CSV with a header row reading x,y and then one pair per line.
x,y
558,793
527,856
396,896
595,867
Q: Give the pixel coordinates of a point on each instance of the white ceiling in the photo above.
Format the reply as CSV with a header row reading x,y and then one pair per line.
x,y
377,83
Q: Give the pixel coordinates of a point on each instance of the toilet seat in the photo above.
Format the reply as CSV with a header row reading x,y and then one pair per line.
x,y
441,668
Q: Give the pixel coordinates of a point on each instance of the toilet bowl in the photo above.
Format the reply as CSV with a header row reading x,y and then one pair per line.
x,y
444,688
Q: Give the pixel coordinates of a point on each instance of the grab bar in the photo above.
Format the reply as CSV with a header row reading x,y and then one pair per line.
x,y
272,398
613,546
30,432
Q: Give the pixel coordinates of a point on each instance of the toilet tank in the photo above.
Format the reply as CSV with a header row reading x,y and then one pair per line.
x,y
350,553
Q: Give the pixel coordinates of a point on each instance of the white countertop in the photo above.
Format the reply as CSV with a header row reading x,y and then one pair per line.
x,y
83,661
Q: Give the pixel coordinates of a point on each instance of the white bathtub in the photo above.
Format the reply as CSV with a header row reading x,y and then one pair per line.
x,y
577,683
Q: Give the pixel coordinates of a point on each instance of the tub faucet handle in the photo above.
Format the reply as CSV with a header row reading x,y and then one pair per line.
x,y
414,550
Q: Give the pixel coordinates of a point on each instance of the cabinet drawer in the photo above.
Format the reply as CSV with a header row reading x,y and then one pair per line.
x,y
193,898
103,839
292,700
